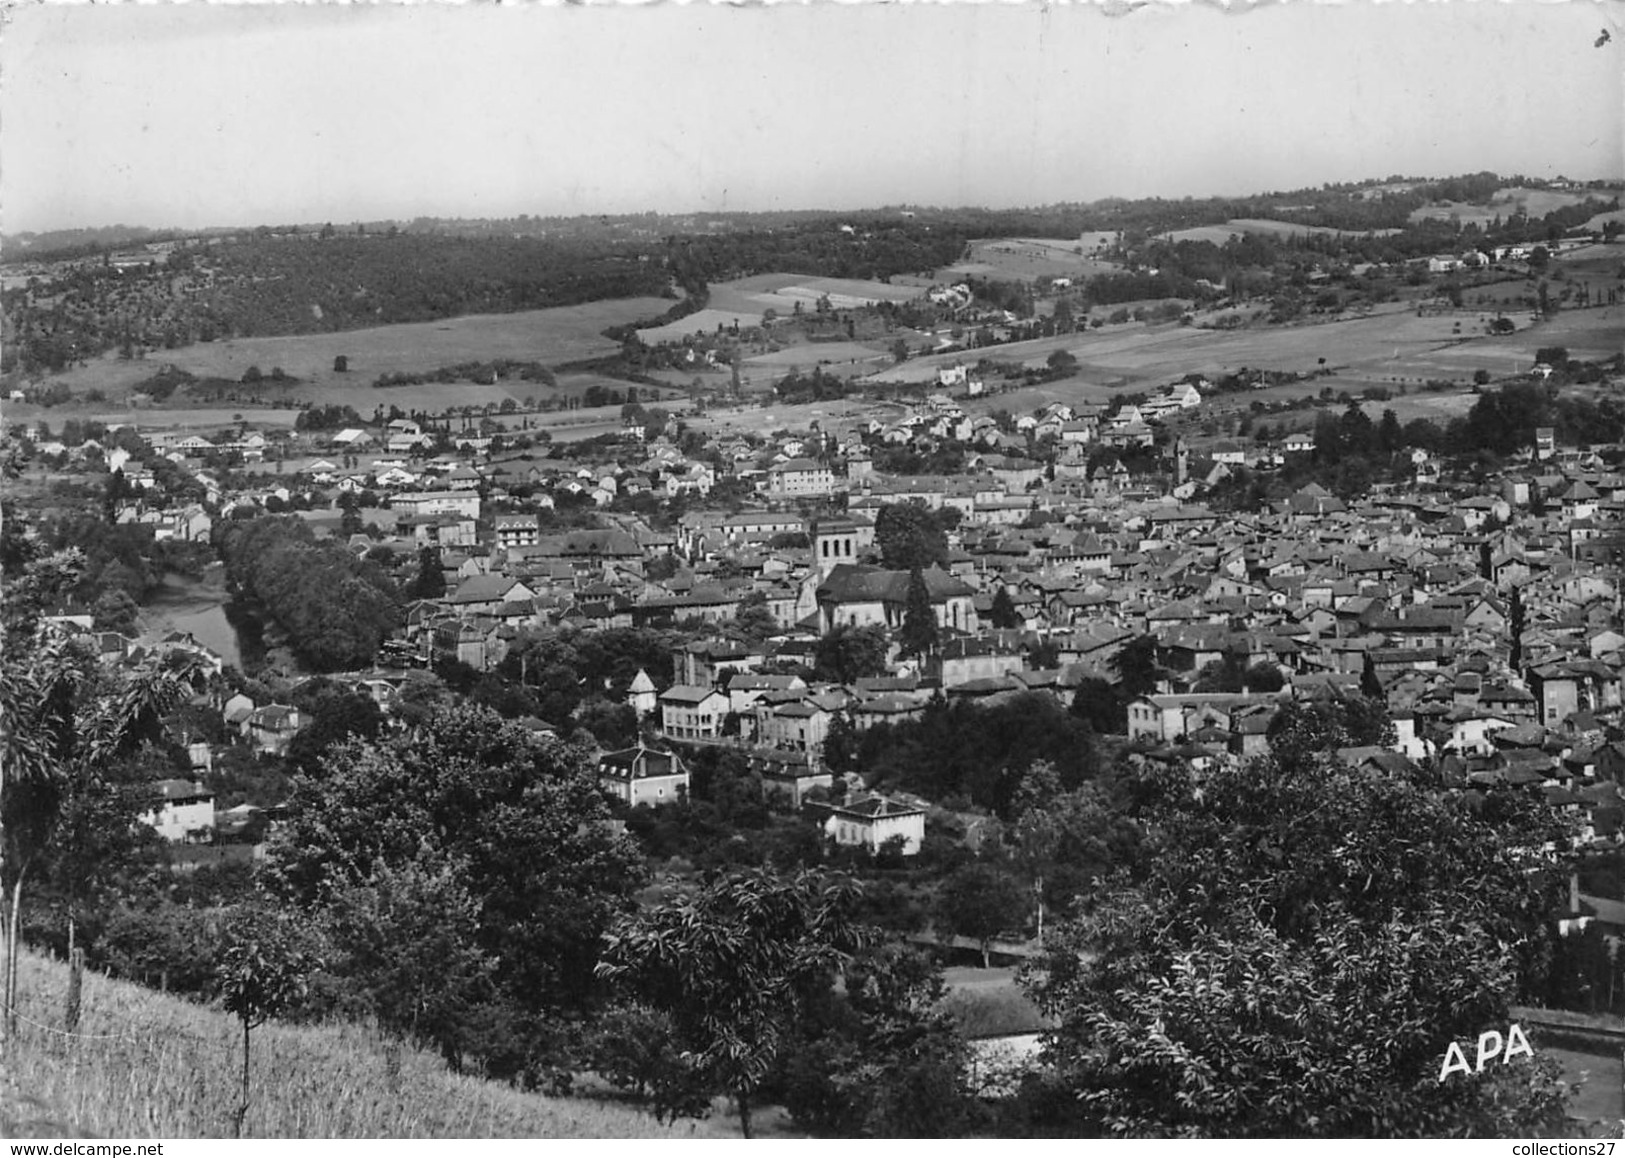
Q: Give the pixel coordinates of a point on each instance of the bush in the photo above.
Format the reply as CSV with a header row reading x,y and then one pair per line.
x,y
632,1048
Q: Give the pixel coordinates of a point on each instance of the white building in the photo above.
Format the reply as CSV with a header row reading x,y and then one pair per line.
x,y
800,477
873,821
184,811
692,713
643,776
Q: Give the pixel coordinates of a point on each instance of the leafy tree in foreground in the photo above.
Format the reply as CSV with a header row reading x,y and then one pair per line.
x,y
885,1062
410,951
731,967
504,830
1304,943
69,727
265,960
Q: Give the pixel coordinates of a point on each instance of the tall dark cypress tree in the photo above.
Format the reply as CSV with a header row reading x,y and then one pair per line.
x,y
919,633
1515,625
1003,613
431,580
1370,684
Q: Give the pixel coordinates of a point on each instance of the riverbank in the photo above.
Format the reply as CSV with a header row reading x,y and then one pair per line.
x,y
196,607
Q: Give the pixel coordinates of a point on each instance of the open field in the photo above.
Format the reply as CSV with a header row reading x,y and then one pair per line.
x,y
575,385
1031,257
1288,228
152,1066
1215,234
846,359
1536,203
1219,234
1436,408
706,321
552,337
1026,399
197,418
746,299
1596,223
1389,344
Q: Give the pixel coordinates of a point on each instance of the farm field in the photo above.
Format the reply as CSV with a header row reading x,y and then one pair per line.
x,y
706,321
745,300
1031,257
1535,202
1219,234
574,385
847,359
1437,408
152,1065
1388,344
552,337
1025,399
198,418
1288,228
1592,334
1602,219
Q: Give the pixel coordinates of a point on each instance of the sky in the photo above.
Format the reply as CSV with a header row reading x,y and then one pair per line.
x,y
194,115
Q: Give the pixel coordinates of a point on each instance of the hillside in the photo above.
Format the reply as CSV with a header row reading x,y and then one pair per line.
x,y
149,1065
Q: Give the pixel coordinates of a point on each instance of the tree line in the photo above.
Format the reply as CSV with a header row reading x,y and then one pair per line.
x,y
335,609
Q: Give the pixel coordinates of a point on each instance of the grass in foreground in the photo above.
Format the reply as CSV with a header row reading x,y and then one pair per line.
x,y
150,1065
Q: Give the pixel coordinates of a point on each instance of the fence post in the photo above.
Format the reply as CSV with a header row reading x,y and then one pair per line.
x,y
76,977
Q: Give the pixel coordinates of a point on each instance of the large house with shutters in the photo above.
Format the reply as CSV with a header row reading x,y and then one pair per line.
x,y
692,713
643,775
873,821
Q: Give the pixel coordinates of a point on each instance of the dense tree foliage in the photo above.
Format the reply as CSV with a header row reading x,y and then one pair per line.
x,y
910,537
1298,946
732,965
335,609
885,1061
333,713
562,669
846,653
501,832
979,754
983,900
72,727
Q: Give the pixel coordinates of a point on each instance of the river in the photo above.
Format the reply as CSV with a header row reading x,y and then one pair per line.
x,y
196,607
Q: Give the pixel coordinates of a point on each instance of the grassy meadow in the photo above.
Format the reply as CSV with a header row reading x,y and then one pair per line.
x,y
552,336
749,297
1032,257
150,1065
1219,234
1536,203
